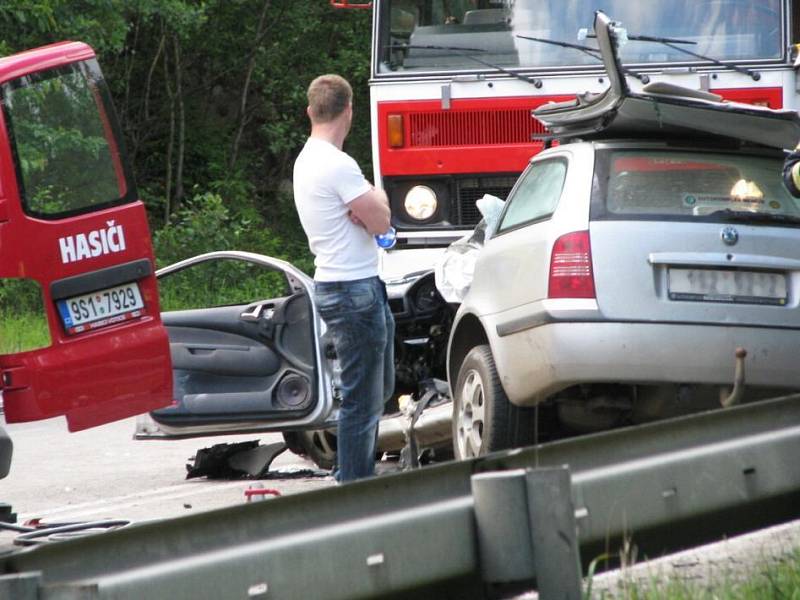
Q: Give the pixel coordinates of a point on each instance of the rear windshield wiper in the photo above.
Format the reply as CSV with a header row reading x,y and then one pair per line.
x,y
537,83
593,52
729,214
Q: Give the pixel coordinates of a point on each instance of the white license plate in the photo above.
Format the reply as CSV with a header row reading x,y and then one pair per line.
x,y
101,308
733,285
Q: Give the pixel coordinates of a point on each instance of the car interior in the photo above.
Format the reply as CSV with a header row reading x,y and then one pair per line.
x,y
244,361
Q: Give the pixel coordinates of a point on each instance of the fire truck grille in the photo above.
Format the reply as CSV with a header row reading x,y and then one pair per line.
x,y
471,190
473,127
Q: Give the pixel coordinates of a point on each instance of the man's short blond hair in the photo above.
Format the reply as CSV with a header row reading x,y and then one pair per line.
x,y
328,97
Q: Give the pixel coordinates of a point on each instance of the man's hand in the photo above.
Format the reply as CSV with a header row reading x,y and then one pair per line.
x,y
372,210
355,220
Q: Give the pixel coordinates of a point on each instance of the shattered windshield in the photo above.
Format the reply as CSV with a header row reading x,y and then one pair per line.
x,y
434,31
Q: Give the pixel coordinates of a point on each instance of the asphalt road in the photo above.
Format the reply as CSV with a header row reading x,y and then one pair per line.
x,y
103,473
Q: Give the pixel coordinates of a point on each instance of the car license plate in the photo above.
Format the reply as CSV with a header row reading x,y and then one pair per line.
x,y
101,308
729,285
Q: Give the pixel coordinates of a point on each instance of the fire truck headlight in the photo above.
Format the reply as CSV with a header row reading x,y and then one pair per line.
x,y
420,203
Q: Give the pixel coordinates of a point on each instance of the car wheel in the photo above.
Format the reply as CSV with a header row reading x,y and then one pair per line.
x,y
319,445
483,418
292,441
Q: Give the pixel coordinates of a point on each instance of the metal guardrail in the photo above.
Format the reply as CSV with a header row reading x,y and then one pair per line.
x,y
457,530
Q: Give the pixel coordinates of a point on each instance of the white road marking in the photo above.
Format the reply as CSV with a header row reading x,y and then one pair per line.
x,y
115,504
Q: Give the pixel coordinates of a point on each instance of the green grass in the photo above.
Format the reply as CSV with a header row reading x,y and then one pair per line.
x,y
776,581
219,283
22,332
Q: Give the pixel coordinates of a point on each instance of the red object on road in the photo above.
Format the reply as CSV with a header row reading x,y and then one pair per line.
x,y
255,494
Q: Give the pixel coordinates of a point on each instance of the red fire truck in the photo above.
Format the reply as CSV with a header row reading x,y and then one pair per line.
x,y
454,83
74,241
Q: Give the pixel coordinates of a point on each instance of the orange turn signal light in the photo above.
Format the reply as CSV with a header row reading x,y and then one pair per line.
x,y
395,129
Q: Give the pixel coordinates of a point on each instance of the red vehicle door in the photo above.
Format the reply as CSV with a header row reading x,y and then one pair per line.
x,y
71,224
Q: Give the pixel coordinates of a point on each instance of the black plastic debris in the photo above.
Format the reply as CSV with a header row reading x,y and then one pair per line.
x,y
7,515
243,460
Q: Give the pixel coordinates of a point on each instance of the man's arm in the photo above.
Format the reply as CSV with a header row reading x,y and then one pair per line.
x,y
372,210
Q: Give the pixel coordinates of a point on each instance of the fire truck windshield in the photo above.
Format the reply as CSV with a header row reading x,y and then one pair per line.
x,y
728,30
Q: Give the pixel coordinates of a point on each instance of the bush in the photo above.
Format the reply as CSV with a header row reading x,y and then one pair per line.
x,y
207,224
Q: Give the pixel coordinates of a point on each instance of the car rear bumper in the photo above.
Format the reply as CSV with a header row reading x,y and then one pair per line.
x,y
538,362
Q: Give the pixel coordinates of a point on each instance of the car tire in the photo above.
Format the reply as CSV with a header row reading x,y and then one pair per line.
x,y
319,445
483,418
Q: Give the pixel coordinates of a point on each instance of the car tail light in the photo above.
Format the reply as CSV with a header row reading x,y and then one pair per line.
x,y
395,128
571,267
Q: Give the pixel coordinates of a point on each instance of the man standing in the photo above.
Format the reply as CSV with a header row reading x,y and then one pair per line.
x,y
341,212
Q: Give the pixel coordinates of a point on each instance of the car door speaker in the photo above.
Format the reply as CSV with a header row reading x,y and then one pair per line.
x,y
293,391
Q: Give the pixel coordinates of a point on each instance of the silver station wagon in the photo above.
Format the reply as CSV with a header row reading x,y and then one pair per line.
x,y
650,271
621,281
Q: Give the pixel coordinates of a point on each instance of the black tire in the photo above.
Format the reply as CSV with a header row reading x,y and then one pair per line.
x,y
292,441
483,418
318,445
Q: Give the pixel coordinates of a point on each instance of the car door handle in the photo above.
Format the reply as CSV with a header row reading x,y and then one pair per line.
x,y
208,348
253,312
15,378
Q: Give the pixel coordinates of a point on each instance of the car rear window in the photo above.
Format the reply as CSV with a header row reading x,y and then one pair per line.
x,y
65,142
682,184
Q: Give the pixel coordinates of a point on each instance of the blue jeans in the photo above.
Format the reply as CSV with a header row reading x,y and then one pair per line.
x,y
361,327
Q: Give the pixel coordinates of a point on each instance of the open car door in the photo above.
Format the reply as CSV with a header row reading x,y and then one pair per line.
x,y
244,337
80,324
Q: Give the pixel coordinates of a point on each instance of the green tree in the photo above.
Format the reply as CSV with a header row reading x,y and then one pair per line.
x,y
211,97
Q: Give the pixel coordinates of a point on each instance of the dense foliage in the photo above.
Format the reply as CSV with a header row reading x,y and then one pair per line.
x,y
211,97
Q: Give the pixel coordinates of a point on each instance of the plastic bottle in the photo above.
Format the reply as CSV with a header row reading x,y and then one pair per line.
x,y
387,240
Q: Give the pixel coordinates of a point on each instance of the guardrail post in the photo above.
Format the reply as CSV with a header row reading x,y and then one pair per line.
x,y
553,528
526,530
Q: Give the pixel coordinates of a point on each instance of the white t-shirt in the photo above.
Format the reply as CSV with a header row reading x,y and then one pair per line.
x,y
326,180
